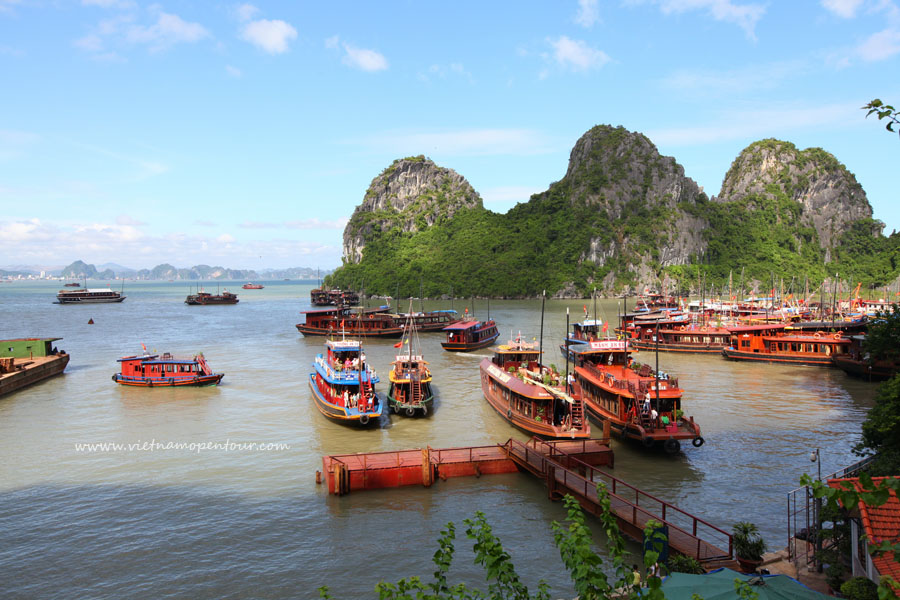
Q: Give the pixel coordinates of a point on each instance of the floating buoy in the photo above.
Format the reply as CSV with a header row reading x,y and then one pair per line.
x,y
318,477
90,321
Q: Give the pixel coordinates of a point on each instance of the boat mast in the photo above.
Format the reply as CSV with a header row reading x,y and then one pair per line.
x,y
541,346
657,367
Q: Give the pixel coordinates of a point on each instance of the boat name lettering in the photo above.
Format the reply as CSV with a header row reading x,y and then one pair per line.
x,y
608,345
498,373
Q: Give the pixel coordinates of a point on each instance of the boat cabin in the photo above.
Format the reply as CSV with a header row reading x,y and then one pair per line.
x,y
165,366
470,335
27,347
587,330
344,355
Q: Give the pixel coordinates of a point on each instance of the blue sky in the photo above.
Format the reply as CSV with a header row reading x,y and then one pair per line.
x,y
244,135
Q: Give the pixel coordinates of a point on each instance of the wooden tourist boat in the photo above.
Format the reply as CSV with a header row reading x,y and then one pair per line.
x,y
679,336
25,361
86,296
335,297
372,322
468,335
72,284
432,320
410,392
165,370
783,344
627,395
857,362
343,384
252,286
531,397
207,299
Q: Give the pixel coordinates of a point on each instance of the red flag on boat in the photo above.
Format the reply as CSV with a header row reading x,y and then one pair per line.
x,y
605,326
398,344
585,310
342,323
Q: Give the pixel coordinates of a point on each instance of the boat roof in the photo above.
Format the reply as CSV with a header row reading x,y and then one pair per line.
x,y
737,328
30,340
810,337
463,325
599,346
91,291
343,345
590,323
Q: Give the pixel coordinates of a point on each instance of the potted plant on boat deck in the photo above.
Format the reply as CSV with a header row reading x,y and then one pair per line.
x,y
749,545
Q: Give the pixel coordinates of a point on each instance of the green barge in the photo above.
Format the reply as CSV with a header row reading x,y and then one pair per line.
x,y
25,361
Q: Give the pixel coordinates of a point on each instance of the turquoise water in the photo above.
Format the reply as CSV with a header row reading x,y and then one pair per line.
x,y
240,524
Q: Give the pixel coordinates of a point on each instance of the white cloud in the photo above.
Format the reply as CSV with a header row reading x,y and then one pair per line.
x,y
233,71
271,36
470,142
587,15
445,71
705,83
364,59
122,4
35,241
168,30
245,12
755,124
338,224
6,5
576,55
842,8
880,46
743,15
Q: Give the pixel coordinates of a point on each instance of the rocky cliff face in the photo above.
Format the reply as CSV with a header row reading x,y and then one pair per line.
x,y
411,194
829,196
638,196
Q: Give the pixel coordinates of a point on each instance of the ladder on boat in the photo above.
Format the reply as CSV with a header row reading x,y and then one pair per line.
x,y
415,392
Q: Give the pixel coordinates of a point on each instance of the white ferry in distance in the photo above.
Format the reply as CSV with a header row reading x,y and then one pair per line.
x,y
86,296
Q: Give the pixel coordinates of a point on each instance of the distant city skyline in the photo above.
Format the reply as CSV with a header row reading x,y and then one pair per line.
x,y
244,135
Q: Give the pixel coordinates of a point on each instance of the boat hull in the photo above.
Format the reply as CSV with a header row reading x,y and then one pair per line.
x,y
808,361
863,370
198,381
520,421
636,433
468,347
354,332
40,368
409,409
683,348
340,414
89,300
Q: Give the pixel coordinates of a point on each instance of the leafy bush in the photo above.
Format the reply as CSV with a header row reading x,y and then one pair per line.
x,y
679,563
859,588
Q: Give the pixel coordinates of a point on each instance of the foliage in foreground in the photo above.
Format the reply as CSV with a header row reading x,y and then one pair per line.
x,y
881,430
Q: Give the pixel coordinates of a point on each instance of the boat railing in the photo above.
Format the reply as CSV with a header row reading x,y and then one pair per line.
x,y
625,498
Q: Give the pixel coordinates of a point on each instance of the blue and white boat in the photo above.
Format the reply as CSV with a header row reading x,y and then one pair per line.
x,y
343,385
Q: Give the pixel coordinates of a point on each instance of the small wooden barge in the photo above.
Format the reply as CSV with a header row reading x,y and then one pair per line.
x,y
638,404
207,299
165,370
372,322
343,384
531,397
25,361
468,335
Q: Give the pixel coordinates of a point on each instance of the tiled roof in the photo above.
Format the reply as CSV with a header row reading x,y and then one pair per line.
x,y
880,522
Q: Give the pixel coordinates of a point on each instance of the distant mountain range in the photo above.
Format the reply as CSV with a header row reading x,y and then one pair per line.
x,y
79,269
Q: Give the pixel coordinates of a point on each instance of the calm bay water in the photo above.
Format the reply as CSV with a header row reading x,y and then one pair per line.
x,y
253,524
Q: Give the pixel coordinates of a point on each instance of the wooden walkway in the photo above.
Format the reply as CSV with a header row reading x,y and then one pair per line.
x,y
566,474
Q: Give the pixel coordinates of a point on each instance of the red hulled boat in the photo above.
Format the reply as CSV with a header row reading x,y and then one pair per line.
x,y
469,335
252,286
373,322
154,370
531,397
785,344
638,404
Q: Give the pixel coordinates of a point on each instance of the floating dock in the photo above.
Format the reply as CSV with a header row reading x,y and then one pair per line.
x,y
566,467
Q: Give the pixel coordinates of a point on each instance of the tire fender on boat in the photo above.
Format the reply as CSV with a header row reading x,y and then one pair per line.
x,y
672,446
647,441
410,411
114,378
364,420
697,441
509,413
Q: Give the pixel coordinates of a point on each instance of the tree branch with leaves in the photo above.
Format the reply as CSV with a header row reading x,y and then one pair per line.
x,y
884,111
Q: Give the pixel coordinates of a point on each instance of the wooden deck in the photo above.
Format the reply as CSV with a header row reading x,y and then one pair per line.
x,y
566,466
688,535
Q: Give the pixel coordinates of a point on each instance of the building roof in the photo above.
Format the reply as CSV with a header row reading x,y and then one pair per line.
x,y
882,523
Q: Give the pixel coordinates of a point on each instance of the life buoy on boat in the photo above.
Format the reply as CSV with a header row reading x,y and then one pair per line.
x,y
364,420
681,328
816,335
697,441
837,336
647,442
410,411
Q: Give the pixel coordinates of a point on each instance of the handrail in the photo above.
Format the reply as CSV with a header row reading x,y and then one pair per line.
x,y
616,483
